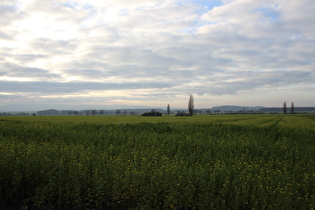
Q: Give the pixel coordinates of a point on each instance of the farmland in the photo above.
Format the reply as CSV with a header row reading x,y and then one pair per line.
x,y
199,162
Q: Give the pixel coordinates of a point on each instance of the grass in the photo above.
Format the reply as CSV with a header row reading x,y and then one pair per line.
x,y
199,162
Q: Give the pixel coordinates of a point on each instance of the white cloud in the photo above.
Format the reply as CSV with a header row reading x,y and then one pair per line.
x,y
185,46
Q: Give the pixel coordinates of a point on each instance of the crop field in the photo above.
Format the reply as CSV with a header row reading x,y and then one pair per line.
x,y
168,162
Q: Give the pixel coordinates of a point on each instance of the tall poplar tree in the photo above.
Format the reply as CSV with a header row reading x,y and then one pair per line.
x,y
292,108
284,108
191,105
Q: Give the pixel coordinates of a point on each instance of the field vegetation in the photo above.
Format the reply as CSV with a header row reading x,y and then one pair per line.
x,y
199,162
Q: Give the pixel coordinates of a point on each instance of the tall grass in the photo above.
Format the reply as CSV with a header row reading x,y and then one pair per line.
x,y
218,163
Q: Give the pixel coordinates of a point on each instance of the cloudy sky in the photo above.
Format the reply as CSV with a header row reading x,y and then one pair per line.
x,y
122,53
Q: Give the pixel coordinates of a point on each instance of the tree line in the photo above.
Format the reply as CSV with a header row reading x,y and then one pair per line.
x,y
191,111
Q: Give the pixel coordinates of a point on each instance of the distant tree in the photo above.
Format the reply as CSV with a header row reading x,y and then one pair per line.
x,y
101,112
284,108
118,112
168,109
94,112
191,105
87,112
75,113
292,108
208,111
69,112
152,113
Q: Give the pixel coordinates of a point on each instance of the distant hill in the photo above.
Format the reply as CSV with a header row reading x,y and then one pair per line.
x,y
227,108
237,108
296,109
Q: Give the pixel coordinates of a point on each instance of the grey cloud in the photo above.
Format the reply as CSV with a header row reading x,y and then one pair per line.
x,y
7,97
14,70
270,51
74,87
6,36
101,35
9,12
249,80
61,10
146,54
28,57
230,83
58,47
158,19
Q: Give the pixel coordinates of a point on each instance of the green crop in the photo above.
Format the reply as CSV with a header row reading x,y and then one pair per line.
x,y
199,162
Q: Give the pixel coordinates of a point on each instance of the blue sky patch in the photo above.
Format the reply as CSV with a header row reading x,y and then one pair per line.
x,y
270,14
208,4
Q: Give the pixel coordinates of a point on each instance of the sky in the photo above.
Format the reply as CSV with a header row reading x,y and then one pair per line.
x,y
129,53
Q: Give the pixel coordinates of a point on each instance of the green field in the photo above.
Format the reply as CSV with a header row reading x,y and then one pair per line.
x,y
133,162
